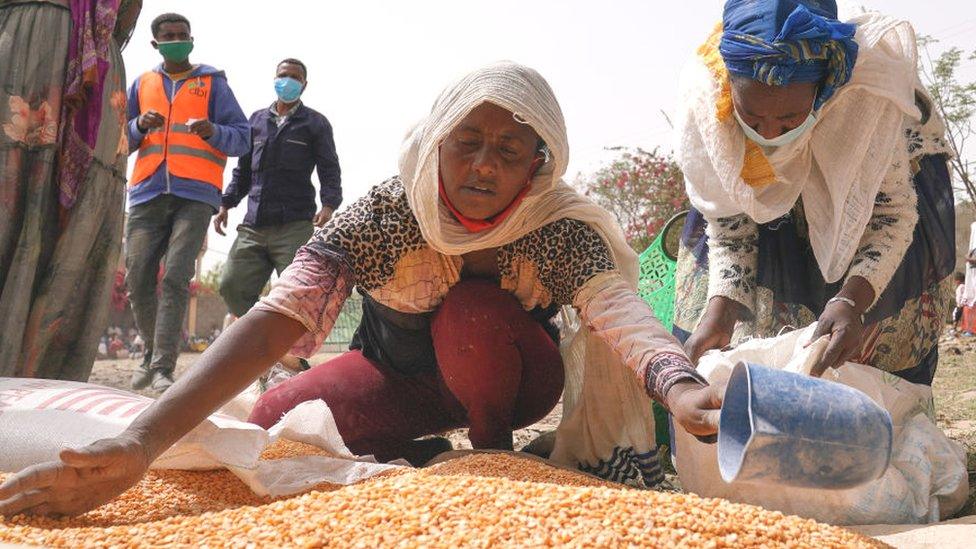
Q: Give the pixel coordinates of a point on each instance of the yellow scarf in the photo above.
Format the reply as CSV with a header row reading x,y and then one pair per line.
x,y
756,170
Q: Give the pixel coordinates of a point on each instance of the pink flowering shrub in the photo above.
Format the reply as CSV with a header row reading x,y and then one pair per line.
x,y
643,189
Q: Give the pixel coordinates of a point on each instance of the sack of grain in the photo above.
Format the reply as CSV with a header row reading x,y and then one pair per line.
x,y
926,480
40,417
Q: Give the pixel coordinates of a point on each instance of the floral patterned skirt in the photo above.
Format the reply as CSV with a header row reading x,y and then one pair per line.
x,y
903,328
56,266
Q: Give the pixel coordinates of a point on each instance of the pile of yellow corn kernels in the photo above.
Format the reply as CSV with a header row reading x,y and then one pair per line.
x,y
482,500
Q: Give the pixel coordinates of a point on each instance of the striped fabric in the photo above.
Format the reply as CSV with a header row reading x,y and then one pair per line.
x,y
626,466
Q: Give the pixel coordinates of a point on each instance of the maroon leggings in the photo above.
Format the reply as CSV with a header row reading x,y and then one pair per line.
x,y
497,370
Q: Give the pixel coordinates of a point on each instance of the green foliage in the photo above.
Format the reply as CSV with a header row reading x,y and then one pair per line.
x,y
210,280
643,189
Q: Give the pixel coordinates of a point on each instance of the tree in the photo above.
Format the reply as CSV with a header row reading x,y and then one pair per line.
x,y
955,102
643,189
210,280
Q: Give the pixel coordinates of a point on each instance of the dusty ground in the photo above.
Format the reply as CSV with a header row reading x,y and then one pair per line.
x,y
955,401
954,387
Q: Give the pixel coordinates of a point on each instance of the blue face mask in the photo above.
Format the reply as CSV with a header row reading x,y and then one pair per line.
x,y
288,89
781,140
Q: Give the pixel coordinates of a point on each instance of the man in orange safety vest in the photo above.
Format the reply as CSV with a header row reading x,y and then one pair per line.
x,y
184,121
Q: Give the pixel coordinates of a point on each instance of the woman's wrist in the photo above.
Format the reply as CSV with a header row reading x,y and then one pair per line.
x,y
678,389
723,312
144,440
860,291
150,439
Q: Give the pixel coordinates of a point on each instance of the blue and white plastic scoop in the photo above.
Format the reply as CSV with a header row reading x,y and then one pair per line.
x,y
785,428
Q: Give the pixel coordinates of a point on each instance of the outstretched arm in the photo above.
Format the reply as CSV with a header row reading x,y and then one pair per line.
x,y
91,476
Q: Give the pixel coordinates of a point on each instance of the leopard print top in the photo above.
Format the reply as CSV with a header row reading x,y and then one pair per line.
x,y
381,240
376,244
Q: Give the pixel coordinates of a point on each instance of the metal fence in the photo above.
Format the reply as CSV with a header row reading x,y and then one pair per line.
x,y
345,326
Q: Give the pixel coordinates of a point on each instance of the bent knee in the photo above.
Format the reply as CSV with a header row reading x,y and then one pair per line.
x,y
472,303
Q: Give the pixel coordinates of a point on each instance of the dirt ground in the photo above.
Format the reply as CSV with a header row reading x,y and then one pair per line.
x,y
955,401
954,388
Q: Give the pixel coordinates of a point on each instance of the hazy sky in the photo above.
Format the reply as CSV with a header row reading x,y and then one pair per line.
x,y
375,67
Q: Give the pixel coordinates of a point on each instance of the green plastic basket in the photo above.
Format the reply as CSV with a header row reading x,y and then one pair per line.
x,y
656,287
657,265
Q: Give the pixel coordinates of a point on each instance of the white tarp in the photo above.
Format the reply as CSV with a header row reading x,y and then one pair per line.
x,y
39,418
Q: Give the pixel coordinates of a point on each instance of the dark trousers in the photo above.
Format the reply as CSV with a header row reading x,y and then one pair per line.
x,y
497,370
171,230
256,252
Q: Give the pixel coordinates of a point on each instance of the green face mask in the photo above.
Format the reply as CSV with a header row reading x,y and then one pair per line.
x,y
177,51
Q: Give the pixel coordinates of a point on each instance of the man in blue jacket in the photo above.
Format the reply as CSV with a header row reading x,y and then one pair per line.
x,y
184,121
288,141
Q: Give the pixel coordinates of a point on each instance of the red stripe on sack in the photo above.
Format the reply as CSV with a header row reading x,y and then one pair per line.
x,y
58,397
91,393
135,409
87,407
109,409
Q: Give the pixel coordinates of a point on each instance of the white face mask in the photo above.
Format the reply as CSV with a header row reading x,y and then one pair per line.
x,y
781,140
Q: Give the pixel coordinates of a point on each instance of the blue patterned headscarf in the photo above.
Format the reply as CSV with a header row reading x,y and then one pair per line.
x,y
778,42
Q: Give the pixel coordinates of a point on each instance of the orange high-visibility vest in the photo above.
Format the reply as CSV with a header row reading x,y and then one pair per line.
x,y
186,154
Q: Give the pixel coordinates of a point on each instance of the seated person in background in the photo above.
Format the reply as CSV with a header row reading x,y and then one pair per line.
x,y
960,280
116,349
102,352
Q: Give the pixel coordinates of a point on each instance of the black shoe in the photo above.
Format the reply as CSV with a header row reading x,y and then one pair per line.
x,y
541,445
419,452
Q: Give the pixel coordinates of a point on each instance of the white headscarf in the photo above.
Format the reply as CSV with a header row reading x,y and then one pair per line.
x,y
837,166
525,93
605,406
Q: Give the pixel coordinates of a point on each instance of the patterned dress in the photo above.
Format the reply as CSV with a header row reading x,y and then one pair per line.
x,y
906,253
57,264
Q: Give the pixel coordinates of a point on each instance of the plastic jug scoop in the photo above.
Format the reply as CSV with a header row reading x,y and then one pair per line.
x,y
780,427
